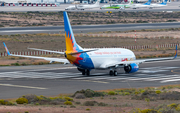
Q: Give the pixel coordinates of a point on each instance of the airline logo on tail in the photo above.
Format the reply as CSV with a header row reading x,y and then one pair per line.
x,y
71,45
148,3
164,3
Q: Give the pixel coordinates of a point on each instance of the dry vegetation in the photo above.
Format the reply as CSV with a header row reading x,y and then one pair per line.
x,y
78,18
164,99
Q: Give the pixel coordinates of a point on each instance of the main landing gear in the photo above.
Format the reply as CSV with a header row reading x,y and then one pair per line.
x,y
84,71
113,72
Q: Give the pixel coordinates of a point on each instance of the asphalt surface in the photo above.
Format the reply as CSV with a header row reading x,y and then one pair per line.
x,y
87,28
54,79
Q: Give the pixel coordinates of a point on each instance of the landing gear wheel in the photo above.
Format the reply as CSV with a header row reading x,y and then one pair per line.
x,y
83,72
115,73
111,73
87,72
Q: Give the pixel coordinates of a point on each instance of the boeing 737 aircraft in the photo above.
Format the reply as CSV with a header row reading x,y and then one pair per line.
x,y
163,4
146,5
88,59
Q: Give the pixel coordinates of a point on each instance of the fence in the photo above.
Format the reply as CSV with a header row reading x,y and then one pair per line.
x,y
127,47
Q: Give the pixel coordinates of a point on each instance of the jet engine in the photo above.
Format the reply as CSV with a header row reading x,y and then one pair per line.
x,y
131,68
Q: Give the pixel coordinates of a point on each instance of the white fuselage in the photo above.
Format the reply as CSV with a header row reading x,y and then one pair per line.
x,y
72,7
139,6
80,7
103,57
157,5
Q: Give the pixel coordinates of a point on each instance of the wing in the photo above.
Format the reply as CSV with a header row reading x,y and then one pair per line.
x,y
47,50
112,64
65,61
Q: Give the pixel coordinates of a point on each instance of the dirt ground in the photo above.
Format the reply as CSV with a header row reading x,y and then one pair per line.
x,y
83,18
116,104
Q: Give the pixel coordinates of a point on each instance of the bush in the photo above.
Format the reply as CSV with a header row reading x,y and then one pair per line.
x,y
88,109
68,99
90,103
87,93
114,98
158,92
72,106
78,102
111,93
79,96
15,64
136,92
5,102
126,93
68,103
21,101
32,98
102,104
37,103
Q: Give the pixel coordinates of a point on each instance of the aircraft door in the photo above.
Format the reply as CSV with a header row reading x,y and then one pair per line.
x,y
84,57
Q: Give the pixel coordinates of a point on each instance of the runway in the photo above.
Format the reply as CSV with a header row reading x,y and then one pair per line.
x,y
55,79
88,28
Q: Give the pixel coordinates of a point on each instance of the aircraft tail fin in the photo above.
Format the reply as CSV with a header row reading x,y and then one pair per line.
x,y
7,51
97,2
148,3
130,2
164,2
71,44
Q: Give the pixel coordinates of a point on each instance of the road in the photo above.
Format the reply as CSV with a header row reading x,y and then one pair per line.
x,y
54,79
88,28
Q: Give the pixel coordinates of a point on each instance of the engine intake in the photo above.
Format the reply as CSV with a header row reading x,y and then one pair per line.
x,y
131,68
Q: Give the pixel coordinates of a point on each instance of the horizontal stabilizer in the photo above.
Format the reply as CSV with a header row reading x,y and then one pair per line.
x,y
46,50
82,52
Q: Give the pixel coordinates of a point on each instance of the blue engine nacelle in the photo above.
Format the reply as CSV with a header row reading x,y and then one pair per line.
x,y
131,68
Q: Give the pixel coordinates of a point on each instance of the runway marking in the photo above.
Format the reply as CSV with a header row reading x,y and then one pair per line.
x,y
96,81
146,74
40,70
22,86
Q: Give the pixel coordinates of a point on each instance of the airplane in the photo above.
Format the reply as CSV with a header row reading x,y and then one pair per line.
x,y
87,59
82,7
163,4
71,7
145,5
117,6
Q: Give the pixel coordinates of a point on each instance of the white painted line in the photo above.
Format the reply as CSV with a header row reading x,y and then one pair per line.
x,y
164,81
22,86
152,71
156,78
96,81
39,70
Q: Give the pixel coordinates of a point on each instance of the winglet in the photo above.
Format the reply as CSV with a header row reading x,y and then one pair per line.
x,y
175,52
7,51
